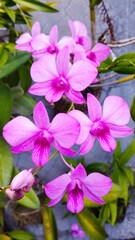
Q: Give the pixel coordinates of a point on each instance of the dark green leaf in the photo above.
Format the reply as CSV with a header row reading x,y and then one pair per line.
x,y
117,152
132,109
15,63
96,167
17,92
105,66
24,105
21,235
11,13
3,56
128,56
104,214
127,154
91,225
49,224
5,105
30,200
25,78
123,181
38,6
6,163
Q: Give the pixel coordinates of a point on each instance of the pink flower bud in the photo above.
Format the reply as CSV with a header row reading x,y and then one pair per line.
x,y
14,195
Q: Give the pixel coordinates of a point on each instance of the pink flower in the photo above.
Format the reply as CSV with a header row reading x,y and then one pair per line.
x,y
77,231
57,77
104,124
78,184
21,183
26,41
23,135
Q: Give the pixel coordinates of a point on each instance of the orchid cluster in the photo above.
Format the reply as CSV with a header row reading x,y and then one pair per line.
x,y
66,68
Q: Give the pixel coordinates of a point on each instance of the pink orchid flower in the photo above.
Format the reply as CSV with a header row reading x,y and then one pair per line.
x,y
77,232
103,125
57,77
26,41
23,135
21,183
78,184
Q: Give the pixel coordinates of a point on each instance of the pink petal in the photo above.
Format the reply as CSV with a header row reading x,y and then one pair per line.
x,y
98,184
19,130
66,41
91,196
40,116
72,28
15,195
54,35
21,180
84,124
55,201
115,111
64,151
39,42
79,172
35,29
63,62
65,130
107,142
120,131
25,146
75,202
87,145
101,51
81,75
41,153
80,28
94,108
57,187
24,38
54,95
75,96
40,89
44,69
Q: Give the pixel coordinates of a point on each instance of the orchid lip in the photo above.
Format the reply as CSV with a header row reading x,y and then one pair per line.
x,y
60,83
99,129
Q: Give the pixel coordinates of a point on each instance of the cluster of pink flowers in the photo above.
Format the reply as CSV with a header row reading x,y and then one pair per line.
x,y
66,67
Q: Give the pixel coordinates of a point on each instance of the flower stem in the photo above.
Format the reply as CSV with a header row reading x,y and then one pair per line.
x,y
65,162
71,107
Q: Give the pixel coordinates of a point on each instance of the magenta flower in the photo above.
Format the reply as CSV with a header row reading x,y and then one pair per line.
x,y
25,41
57,77
23,135
103,125
21,183
78,184
77,232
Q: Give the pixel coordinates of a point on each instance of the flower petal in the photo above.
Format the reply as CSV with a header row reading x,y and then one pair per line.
x,y
25,146
75,96
79,172
65,151
19,130
39,42
35,29
94,108
40,89
40,116
44,69
81,75
119,131
57,187
54,95
98,184
63,62
40,153
101,51
87,145
21,180
115,111
84,124
75,202
54,35
107,142
15,195
65,130
24,38
91,196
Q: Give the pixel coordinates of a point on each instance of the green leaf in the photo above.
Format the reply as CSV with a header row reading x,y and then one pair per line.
x,y
113,211
11,13
117,152
125,63
49,224
123,181
30,200
38,6
5,105
127,56
3,56
91,225
95,2
105,66
127,154
4,237
17,92
14,64
104,214
24,105
6,163
132,109
96,167
129,174
21,235
25,78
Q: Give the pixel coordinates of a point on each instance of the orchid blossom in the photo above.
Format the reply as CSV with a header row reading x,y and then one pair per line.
x,y
23,135
103,125
78,184
77,232
57,77
21,183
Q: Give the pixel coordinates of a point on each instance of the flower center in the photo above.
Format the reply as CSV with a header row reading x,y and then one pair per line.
x,y
60,83
80,40
91,56
99,129
44,138
52,49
